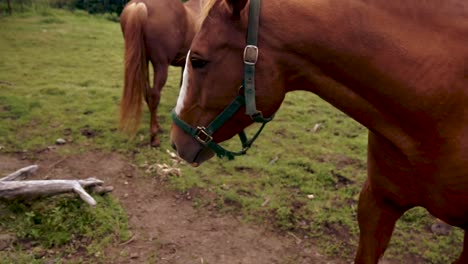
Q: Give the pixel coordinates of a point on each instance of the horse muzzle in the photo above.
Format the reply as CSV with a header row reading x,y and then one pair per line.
x,y
188,148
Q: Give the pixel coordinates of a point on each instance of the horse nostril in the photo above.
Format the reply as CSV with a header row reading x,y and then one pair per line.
x,y
173,146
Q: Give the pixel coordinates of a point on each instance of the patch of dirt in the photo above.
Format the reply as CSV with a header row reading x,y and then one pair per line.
x,y
89,132
166,227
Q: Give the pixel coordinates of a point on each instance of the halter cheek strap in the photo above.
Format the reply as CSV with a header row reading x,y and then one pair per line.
x,y
204,135
250,59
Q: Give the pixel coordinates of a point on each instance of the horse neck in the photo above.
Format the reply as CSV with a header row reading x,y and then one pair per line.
x,y
363,58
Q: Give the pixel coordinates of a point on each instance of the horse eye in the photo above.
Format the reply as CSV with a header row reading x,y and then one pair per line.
x,y
198,63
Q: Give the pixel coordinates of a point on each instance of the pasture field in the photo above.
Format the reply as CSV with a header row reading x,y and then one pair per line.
x,y
61,77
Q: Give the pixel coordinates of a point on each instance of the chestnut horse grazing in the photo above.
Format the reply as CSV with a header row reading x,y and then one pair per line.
x,y
399,67
159,32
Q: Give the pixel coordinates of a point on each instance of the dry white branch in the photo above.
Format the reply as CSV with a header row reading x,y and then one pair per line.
x,y
30,189
21,173
11,188
298,240
267,200
317,127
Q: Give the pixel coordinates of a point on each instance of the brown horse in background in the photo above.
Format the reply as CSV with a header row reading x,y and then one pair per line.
x,y
399,67
159,32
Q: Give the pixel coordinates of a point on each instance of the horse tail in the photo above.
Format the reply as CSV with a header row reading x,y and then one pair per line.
x,y
136,78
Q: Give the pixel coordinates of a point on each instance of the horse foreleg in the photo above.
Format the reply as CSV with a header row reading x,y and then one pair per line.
x,y
153,97
376,224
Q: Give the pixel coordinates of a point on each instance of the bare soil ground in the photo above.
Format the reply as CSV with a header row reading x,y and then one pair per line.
x,y
166,227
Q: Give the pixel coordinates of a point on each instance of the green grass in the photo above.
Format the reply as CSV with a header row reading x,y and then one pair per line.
x,y
61,72
55,82
68,224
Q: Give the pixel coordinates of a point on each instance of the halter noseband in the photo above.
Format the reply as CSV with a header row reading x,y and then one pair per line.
x,y
204,135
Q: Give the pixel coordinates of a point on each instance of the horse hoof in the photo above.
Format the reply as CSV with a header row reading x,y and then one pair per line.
x,y
155,143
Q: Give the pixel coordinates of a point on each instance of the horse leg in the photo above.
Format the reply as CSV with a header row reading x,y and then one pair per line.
x,y
153,96
383,199
376,224
464,255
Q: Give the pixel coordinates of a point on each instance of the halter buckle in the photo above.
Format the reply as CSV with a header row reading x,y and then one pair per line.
x,y
250,54
202,136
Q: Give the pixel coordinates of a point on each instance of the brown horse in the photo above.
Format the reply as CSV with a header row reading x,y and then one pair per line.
x,y
399,67
159,32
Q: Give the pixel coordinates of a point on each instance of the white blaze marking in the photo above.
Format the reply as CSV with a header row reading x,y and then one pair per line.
x,y
183,88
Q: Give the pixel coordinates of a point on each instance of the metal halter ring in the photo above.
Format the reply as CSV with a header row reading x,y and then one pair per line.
x,y
250,54
202,136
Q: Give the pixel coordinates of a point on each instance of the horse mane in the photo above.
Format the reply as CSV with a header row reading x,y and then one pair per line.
x,y
207,5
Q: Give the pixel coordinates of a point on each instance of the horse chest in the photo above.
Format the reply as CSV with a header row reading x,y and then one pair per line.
x,y
415,180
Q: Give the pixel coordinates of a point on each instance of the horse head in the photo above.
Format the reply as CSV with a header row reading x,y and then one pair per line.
x,y
213,78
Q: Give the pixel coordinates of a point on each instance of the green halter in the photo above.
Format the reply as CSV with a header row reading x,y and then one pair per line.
x,y
204,135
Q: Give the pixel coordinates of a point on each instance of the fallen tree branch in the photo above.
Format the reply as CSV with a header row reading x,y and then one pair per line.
x,y
31,189
10,188
21,173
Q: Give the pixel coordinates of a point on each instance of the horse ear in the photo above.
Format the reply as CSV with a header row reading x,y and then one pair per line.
x,y
237,6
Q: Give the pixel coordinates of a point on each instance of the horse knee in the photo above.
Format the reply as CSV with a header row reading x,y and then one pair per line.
x,y
152,96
